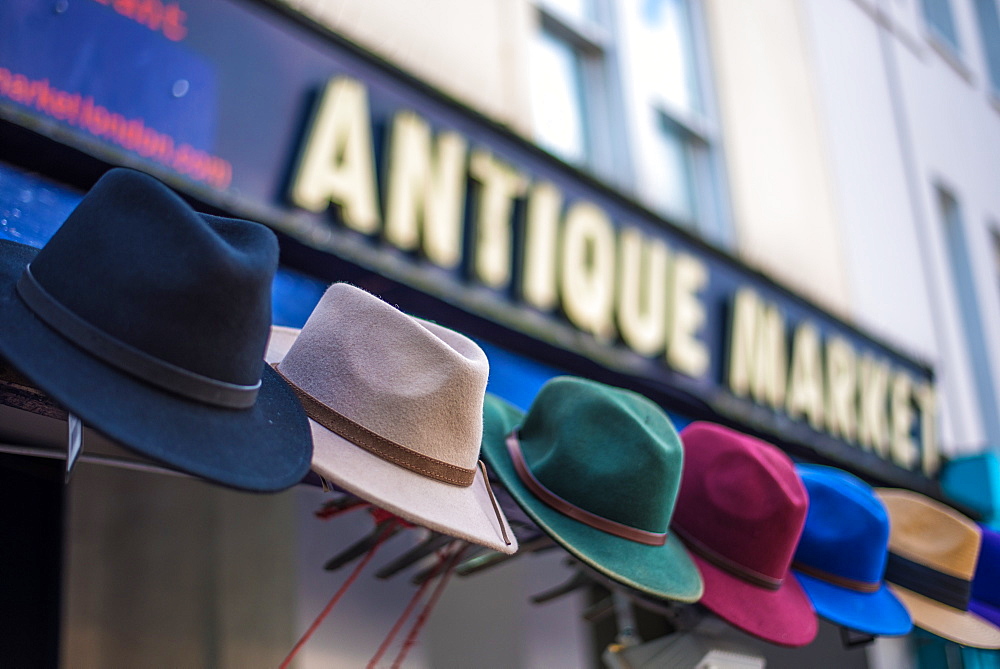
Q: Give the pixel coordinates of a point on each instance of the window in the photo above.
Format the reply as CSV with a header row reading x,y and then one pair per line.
x,y
989,34
941,22
619,88
577,10
671,172
966,295
557,99
665,60
573,93
676,148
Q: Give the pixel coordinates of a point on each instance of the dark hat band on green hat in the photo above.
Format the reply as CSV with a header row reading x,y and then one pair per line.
x,y
571,510
611,454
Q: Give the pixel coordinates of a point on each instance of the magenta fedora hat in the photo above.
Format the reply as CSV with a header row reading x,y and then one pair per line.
x,y
741,510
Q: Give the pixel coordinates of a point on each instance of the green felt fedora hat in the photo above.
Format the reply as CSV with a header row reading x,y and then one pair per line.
x,y
598,468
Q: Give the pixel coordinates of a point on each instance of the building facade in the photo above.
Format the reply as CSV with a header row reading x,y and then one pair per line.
x,y
845,148
813,181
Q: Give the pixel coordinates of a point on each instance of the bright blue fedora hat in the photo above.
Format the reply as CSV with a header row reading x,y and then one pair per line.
x,y
841,556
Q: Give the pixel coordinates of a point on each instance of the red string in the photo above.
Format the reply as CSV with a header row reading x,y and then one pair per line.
x,y
381,515
333,600
331,511
373,663
411,638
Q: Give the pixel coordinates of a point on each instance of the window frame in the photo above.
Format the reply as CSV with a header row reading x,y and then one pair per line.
x,y
990,56
712,218
966,294
605,152
612,153
936,34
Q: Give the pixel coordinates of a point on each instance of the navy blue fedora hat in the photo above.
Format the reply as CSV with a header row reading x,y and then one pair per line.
x,y
841,556
149,321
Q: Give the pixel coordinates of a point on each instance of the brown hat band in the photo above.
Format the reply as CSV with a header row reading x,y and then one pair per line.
x,y
726,564
924,580
129,359
837,579
376,444
390,451
569,509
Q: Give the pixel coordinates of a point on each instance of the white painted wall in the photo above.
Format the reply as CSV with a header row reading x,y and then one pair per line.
x,y
831,193
875,216
473,51
956,135
783,206
824,195
885,163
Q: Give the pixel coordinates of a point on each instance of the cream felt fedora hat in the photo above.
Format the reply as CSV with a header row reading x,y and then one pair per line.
x,y
396,410
932,559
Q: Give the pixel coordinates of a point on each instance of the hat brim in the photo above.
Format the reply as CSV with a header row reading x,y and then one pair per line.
x,y
784,616
466,513
665,571
962,627
878,612
265,448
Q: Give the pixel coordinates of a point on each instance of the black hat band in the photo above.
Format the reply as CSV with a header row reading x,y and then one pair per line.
x,y
128,359
929,582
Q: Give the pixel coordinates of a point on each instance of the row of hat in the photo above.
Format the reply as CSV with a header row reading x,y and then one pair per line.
x,y
151,322
761,542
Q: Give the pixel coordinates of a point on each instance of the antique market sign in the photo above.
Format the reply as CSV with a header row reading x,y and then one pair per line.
x,y
618,282
353,158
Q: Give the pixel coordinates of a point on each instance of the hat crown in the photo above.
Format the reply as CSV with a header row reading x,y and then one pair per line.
x,y
138,263
607,450
410,381
847,529
740,498
930,533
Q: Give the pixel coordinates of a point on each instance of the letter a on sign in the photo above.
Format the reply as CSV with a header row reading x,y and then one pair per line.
x,y
338,163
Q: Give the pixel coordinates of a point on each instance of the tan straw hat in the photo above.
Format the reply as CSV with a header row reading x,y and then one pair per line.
x,y
396,410
932,558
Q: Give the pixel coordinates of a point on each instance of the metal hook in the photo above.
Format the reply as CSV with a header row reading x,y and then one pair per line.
x,y
430,572
383,531
575,582
854,638
434,542
491,559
